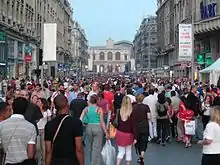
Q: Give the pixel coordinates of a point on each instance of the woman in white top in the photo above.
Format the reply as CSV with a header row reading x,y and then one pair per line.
x,y
211,140
47,114
206,110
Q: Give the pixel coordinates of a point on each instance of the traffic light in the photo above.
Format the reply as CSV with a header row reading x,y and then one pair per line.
x,y
200,59
40,57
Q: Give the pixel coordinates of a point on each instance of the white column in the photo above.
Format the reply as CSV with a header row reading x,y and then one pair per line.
x,y
15,57
98,69
122,68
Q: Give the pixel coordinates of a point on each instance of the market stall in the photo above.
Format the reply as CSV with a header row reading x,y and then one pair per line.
x,y
211,73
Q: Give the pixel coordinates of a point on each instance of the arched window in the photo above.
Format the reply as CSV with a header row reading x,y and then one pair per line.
x,y
95,68
102,56
110,68
126,57
117,68
117,56
102,69
110,56
93,57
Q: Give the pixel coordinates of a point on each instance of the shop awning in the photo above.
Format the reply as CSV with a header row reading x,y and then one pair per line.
x,y
214,67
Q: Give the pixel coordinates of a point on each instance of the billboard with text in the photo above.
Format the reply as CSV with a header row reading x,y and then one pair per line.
x,y
185,42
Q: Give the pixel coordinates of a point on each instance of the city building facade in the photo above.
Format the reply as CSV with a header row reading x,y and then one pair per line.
x,y
182,15
207,31
145,44
111,58
165,36
21,24
170,14
80,54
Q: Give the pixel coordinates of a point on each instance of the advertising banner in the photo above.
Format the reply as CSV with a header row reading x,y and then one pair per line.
x,y
50,42
185,42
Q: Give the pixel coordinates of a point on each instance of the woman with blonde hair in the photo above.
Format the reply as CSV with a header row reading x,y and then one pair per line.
x,y
211,140
124,135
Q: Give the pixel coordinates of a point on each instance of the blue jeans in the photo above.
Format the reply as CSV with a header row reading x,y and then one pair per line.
x,y
199,128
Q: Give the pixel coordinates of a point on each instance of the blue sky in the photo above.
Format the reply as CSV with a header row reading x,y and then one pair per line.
x,y
118,19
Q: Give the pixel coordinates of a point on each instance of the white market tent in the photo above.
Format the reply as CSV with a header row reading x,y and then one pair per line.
x,y
211,73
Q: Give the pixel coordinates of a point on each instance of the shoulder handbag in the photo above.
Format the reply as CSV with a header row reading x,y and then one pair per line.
x,y
4,152
58,129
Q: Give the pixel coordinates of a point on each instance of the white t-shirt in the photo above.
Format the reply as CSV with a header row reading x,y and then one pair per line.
x,y
65,84
43,121
151,101
212,132
133,99
208,109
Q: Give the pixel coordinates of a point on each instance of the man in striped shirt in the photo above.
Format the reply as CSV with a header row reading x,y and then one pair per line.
x,y
18,136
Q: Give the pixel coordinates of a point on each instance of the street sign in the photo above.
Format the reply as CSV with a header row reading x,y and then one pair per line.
x,y
185,42
209,60
200,58
28,58
2,37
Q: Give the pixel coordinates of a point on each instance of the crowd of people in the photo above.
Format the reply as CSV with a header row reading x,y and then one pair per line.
x,y
53,123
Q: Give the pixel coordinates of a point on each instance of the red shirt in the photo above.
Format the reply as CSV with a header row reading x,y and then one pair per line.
x,y
109,96
185,114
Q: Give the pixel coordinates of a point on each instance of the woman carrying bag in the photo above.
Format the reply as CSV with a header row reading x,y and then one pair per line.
x,y
92,117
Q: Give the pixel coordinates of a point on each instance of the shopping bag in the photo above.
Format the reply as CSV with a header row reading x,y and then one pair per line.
x,y
190,127
112,131
108,153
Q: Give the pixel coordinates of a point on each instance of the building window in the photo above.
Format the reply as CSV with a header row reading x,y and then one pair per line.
x,y
93,57
110,68
110,56
95,68
118,56
102,56
126,57
11,48
20,49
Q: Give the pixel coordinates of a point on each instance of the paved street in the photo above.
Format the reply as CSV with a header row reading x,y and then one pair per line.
x,y
171,154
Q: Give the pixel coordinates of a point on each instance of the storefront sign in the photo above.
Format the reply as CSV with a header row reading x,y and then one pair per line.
x,y
60,66
2,37
208,11
185,42
28,58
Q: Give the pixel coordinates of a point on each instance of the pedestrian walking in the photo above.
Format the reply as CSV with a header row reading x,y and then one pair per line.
x,y
63,137
140,118
125,134
93,118
211,140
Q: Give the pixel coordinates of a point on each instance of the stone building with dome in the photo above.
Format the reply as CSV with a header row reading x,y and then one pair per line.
x,y
114,57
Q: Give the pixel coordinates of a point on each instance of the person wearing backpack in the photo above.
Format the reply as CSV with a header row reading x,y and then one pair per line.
x,y
162,119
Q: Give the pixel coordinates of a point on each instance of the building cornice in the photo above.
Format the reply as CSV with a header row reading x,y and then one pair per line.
x,y
161,6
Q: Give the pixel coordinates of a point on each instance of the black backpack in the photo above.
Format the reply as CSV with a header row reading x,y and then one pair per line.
x,y
161,110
